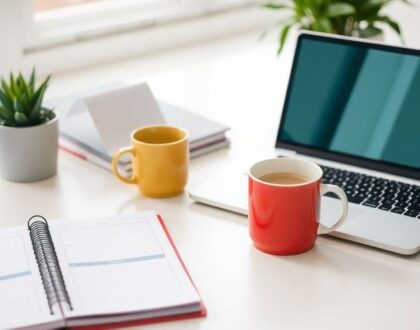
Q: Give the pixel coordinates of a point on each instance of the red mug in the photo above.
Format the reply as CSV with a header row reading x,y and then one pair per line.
x,y
284,218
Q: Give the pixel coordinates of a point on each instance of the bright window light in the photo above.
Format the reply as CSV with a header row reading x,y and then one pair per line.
x,y
54,22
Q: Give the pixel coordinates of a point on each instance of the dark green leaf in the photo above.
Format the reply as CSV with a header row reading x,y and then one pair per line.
x,y
35,113
340,9
374,4
6,114
39,94
5,101
21,119
32,82
394,25
6,123
23,86
275,6
48,113
323,25
19,106
36,109
370,31
7,90
14,87
283,36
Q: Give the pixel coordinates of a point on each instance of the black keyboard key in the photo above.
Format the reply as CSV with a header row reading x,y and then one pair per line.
x,y
381,182
363,196
355,199
398,210
375,198
415,202
412,213
415,207
404,195
416,190
405,187
351,182
364,185
371,204
385,206
338,180
388,195
401,203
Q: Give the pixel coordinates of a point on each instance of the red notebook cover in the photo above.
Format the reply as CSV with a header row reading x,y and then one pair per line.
x,y
201,313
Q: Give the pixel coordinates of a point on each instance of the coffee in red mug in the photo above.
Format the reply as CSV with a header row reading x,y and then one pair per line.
x,y
284,205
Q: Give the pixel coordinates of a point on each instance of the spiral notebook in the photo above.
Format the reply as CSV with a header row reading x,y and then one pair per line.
x,y
94,271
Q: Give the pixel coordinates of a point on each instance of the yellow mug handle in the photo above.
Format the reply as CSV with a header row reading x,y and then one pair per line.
x,y
116,158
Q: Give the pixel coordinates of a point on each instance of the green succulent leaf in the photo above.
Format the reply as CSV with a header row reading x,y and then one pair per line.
x,y
6,114
21,119
19,106
5,101
14,86
7,90
23,86
38,96
32,82
47,114
21,103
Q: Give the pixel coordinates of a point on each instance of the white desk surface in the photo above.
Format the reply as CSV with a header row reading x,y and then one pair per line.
x,y
240,82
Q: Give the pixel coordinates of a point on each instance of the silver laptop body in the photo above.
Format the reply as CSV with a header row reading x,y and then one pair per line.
x,y
351,107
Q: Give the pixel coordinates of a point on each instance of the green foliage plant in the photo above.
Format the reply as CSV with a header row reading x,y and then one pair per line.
x,y
21,101
358,18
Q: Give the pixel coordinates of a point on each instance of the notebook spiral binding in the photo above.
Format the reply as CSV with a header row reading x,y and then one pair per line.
x,y
46,257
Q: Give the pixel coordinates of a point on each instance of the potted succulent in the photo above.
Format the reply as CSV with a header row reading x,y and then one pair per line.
x,y
28,130
358,18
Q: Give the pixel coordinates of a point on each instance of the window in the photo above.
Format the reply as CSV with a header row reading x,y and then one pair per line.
x,y
53,22
57,35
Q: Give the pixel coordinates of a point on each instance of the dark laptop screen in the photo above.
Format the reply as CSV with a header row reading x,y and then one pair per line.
x,y
354,99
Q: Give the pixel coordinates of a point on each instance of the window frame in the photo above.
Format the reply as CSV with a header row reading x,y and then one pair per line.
x,y
93,20
70,54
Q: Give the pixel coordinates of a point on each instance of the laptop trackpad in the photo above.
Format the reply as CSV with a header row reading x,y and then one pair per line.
x,y
331,210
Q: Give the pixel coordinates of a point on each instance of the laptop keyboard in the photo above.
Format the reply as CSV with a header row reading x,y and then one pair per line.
x,y
387,195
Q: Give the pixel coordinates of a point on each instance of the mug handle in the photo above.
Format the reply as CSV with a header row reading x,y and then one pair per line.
x,y
325,188
116,158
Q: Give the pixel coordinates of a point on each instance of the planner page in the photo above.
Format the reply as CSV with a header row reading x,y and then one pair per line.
x,y
23,301
120,265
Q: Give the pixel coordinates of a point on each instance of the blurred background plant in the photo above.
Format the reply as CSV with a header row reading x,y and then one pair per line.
x,y
359,18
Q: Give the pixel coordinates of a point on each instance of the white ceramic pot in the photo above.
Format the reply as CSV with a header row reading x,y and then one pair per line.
x,y
29,154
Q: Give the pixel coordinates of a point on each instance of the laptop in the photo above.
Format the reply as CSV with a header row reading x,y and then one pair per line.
x,y
353,107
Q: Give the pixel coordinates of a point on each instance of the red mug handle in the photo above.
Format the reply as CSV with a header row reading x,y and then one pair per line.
x,y
326,188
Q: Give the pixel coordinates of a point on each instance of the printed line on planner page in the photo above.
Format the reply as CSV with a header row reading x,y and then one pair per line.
x,y
116,261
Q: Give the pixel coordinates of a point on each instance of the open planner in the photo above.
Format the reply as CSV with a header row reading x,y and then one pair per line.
x,y
94,271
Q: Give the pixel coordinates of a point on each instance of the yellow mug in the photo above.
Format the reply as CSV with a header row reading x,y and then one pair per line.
x,y
159,160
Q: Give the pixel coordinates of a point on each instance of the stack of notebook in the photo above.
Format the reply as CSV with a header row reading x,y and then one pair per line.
x,y
98,124
80,137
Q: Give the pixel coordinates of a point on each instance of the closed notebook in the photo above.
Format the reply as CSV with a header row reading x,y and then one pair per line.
x,y
93,272
204,134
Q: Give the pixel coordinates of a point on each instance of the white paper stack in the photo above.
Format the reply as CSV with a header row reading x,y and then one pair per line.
x,y
99,124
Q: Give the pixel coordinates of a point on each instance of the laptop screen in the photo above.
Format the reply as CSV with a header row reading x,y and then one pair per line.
x,y
354,102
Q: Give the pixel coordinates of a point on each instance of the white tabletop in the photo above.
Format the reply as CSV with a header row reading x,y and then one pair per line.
x,y
241,83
